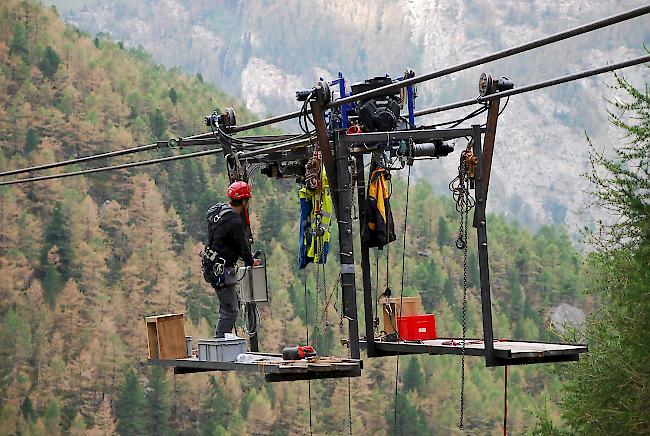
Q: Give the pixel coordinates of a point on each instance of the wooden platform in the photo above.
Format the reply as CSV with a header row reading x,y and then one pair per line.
x,y
274,368
507,352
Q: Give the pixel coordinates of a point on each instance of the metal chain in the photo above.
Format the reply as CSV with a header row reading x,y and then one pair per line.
x,y
464,203
464,321
349,398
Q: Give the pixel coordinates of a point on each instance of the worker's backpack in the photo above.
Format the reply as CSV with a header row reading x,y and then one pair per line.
x,y
212,265
213,216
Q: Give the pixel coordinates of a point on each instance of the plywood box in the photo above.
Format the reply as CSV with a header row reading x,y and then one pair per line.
x,y
166,336
390,310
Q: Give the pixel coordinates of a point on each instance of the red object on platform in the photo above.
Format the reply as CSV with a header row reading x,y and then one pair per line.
x,y
417,327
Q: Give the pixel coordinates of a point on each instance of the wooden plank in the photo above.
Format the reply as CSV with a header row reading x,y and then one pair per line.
x,y
171,337
152,340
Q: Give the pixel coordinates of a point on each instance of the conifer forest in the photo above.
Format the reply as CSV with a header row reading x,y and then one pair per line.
x,y
83,261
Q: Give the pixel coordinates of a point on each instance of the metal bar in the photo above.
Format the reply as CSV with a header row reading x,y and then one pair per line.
x,y
490,135
484,268
425,135
411,105
535,86
595,25
326,151
344,108
268,121
395,348
294,376
369,315
346,243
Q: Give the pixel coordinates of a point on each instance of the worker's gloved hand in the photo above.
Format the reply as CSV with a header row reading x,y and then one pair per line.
x,y
256,258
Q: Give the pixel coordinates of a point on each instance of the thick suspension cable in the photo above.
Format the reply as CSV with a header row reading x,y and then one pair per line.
x,y
536,86
114,167
284,146
247,154
109,154
585,28
182,142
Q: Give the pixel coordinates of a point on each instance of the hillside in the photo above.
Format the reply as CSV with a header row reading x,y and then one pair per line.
x,y
84,260
262,52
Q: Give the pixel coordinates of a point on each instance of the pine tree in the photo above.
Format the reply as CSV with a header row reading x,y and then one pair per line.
x,y
216,410
52,417
410,420
157,407
443,232
49,63
173,96
131,404
32,139
608,391
413,377
157,124
19,46
104,421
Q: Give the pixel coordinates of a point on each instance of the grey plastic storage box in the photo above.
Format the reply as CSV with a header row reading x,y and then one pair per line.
x,y
221,350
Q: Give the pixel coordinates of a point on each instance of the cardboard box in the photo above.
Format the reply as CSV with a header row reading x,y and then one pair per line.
x,y
390,309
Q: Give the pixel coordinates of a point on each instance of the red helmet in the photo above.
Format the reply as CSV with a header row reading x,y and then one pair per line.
x,y
239,190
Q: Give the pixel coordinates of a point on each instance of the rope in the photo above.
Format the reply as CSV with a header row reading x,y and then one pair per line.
x,y
505,401
401,296
307,328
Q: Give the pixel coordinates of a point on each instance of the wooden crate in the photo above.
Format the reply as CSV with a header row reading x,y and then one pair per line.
x,y
166,336
390,309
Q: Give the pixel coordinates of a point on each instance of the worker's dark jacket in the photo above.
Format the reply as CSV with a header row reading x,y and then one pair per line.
x,y
226,235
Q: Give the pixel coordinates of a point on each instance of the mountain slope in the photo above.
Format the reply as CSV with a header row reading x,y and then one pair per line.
x,y
84,260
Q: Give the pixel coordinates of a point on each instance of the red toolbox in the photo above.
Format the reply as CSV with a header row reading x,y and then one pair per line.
x,y
417,327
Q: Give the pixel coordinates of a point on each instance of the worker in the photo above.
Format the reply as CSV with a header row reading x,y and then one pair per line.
x,y
226,245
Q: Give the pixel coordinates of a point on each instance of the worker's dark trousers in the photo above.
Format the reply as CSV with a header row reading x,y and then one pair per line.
x,y
228,310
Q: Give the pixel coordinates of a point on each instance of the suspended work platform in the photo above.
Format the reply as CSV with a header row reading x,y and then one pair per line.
x,y
506,352
274,368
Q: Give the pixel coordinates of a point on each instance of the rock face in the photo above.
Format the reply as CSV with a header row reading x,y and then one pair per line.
x,y
263,53
566,316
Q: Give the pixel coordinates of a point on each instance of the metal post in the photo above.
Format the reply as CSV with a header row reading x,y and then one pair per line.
x,y
481,232
490,135
344,217
411,104
365,262
326,149
253,339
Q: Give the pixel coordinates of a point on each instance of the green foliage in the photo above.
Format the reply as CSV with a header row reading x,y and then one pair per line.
x,y
216,410
52,416
157,124
410,420
608,391
157,403
173,96
131,405
413,378
18,45
50,62
32,139
27,409
56,254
